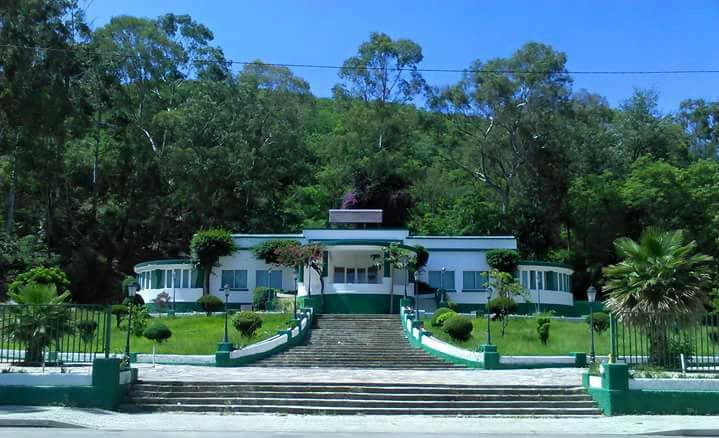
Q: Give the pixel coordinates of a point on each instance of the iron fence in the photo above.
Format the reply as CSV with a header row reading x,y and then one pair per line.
x,y
667,341
54,334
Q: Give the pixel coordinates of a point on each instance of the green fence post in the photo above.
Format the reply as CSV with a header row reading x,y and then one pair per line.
x,y
612,338
108,327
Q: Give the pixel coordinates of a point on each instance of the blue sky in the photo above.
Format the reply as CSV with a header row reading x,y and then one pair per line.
x,y
595,35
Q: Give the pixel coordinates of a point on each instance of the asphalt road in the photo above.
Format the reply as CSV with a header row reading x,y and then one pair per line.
x,y
34,432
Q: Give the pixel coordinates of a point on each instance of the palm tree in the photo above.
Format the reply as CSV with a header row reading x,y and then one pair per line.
x,y
40,317
660,281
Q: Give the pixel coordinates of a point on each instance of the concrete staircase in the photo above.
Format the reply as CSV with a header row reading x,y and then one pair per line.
x,y
358,398
356,341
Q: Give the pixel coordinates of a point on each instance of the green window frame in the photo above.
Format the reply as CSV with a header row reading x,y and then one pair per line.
x,y
235,278
473,281
525,280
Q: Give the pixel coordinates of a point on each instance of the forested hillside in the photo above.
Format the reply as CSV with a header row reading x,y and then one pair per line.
x,y
118,143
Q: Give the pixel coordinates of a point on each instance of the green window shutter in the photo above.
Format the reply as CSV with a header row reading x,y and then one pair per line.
x,y
387,269
325,263
198,277
301,274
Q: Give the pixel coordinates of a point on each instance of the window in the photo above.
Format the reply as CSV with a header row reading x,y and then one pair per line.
x,y
525,279
372,275
274,282
185,278
540,278
178,278
236,279
168,278
473,280
552,281
361,275
350,275
436,281
532,279
339,274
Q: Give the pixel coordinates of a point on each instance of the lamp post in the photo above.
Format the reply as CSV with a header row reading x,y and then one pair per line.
x,y
131,291
226,289
174,277
591,296
441,285
490,289
294,306
405,261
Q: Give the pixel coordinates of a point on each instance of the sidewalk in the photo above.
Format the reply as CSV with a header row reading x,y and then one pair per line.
x,y
106,420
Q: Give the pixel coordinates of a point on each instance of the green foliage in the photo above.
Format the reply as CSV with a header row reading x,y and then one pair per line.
x,y
504,260
458,327
270,251
422,257
502,306
210,303
439,312
161,301
675,348
157,332
41,275
452,305
441,319
601,321
86,329
543,324
246,323
140,319
659,279
120,311
39,319
206,248
262,296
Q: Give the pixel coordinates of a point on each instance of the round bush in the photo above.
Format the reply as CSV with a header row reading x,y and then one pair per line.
x,y
247,323
87,330
504,260
437,313
502,306
210,303
261,296
157,332
601,321
458,327
441,319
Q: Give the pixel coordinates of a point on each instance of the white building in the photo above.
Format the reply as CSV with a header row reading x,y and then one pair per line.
x,y
355,276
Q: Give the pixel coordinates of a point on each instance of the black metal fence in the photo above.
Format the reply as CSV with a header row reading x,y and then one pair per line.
x,y
667,342
57,334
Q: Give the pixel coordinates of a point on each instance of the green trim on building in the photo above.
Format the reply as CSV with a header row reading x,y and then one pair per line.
x,y
352,303
164,262
542,263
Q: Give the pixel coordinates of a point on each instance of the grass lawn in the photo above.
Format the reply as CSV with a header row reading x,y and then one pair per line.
x,y
197,334
521,337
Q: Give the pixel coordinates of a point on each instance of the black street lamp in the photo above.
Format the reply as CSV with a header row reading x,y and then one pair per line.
x,y
441,285
405,262
490,289
131,291
591,296
226,289
294,306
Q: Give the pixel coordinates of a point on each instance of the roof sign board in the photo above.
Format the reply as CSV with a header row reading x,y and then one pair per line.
x,y
358,216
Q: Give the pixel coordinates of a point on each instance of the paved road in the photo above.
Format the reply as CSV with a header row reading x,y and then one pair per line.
x,y
43,433
356,425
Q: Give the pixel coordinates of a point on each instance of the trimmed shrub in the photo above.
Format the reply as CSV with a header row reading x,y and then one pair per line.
x,y
677,346
120,311
543,324
601,321
441,319
162,301
246,323
452,305
458,327
437,313
210,303
86,330
502,306
157,332
505,260
261,296
41,275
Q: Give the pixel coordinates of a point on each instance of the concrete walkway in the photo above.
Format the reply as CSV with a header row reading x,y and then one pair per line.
x,y
293,424
546,376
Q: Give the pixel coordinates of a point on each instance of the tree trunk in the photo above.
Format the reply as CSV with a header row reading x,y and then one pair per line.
x,y
658,346
206,281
